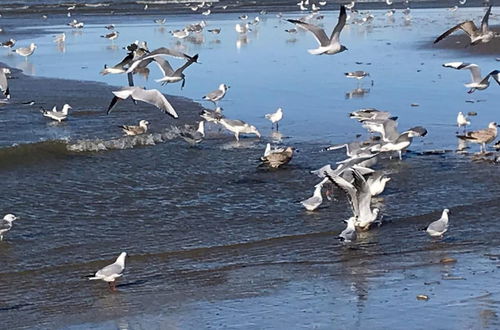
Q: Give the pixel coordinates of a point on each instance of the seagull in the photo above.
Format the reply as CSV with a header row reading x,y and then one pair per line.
x,y
360,197
238,127
330,45
212,115
349,234
169,74
275,117
57,115
111,36
462,121
9,43
192,135
135,130
110,27
214,31
477,81
312,203
217,94
356,74
160,21
26,51
402,142
483,34
439,227
148,57
278,157
482,136
377,181
111,272
180,34
371,114
4,85
60,38
151,96
6,224
242,28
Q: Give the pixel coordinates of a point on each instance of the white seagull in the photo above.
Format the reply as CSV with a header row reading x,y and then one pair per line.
x,y
134,129
275,117
57,115
217,94
313,202
6,224
151,96
26,51
111,272
192,135
238,127
349,234
439,227
330,45
477,81
462,121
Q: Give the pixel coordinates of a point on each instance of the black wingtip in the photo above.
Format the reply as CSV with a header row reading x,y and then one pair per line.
x,y
112,104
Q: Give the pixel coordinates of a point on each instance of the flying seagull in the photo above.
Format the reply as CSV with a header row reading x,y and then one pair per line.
x,y
327,45
477,81
151,96
483,34
111,272
169,74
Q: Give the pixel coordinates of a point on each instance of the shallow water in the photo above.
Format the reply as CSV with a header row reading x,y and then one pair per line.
x,y
214,240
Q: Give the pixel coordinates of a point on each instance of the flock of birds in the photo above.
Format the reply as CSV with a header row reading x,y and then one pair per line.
x,y
354,175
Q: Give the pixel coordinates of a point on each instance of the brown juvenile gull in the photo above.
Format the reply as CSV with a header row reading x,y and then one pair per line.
x,y
483,34
278,157
135,129
482,136
329,46
111,272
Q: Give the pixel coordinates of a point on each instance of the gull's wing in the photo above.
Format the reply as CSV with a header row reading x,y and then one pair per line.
x,y
390,130
468,27
364,195
164,66
348,188
481,135
188,63
484,22
4,85
109,270
495,74
154,97
340,25
318,32
216,93
437,226
474,69
233,122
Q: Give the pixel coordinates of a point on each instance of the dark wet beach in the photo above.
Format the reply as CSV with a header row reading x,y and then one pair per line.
x,y
215,241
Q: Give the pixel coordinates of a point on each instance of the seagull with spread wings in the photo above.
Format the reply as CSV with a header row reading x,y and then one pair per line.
x,y
478,82
151,96
328,46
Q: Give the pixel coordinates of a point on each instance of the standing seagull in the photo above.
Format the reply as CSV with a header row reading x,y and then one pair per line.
x,y
278,157
482,136
439,227
349,234
57,115
238,126
4,85
484,34
111,272
477,81
275,117
6,224
192,135
151,96
462,121
330,45
26,51
217,94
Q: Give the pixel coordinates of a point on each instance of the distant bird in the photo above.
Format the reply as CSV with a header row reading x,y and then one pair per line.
x,y
275,117
462,121
191,134
238,127
6,224
242,28
60,38
477,81
76,25
26,51
483,136
243,17
4,84
218,94
330,45
356,74
206,12
277,158
111,272
160,21
9,43
212,115
110,27
313,202
180,34
111,36
135,130
214,31
349,234
57,115
151,96
291,31
438,227
483,34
